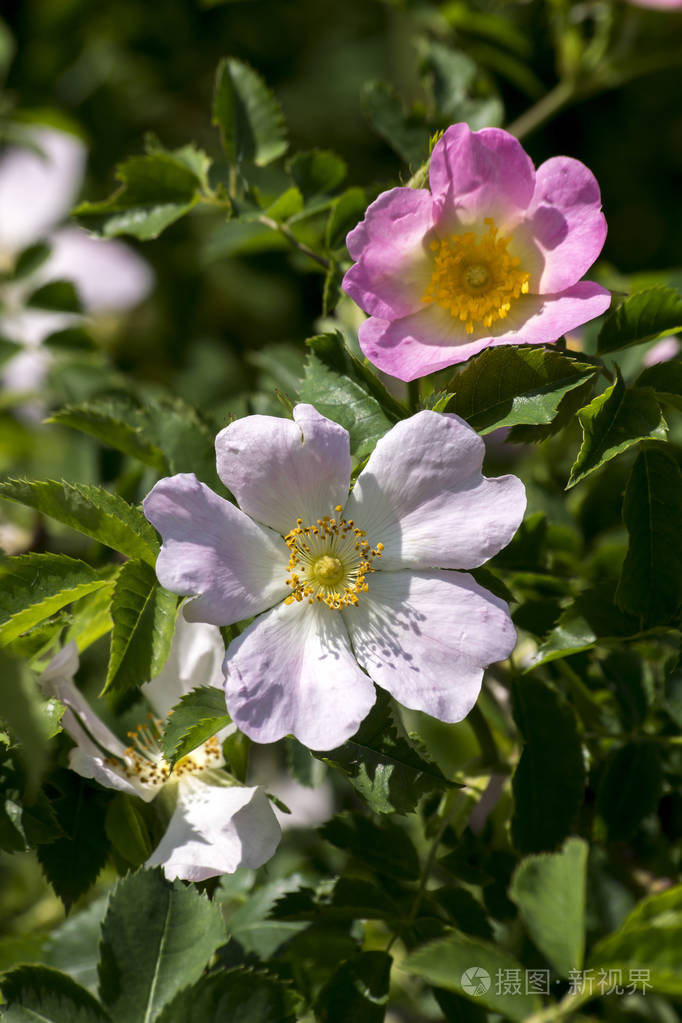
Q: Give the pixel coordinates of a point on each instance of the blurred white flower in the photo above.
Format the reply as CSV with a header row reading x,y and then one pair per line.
x,y
217,825
38,187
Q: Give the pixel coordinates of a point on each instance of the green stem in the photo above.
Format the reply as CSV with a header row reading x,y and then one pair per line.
x,y
293,240
562,95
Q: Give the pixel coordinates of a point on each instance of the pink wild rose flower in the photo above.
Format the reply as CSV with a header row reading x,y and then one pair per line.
x,y
492,255
346,590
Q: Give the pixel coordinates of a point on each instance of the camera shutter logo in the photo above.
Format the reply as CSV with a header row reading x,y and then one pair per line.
x,y
476,981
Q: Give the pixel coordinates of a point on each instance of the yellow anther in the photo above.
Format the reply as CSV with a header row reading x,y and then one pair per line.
x,y
475,279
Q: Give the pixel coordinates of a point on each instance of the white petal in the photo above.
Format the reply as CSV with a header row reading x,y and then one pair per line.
x,y
211,549
216,829
292,671
91,764
195,659
423,496
427,636
37,191
108,275
280,470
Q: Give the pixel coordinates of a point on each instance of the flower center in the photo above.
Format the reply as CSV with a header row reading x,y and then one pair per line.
x,y
145,762
329,561
476,280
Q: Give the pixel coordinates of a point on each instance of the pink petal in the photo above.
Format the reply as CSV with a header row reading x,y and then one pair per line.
x,y
427,636
109,275
37,190
478,174
394,264
423,496
564,227
234,566
292,671
216,829
433,339
280,470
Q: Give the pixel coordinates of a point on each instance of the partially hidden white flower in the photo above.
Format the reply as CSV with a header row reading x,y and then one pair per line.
x,y
346,589
217,825
38,187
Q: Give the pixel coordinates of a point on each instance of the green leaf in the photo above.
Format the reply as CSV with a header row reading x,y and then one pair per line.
x,y
92,510
406,134
35,586
348,899
317,172
157,938
127,830
30,259
651,940
346,402
342,355
665,378
461,92
357,991
629,788
156,190
250,924
645,316
650,584
242,996
550,893
112,421
73,946
549,780
384,767
347,211
250,119
38,994
571,634
458,960
25,713
199,715
506,386
144,619
56,296
612,423
71,864
382,846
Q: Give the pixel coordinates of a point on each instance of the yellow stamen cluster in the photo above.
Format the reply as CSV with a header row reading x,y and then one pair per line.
x,y
476,280
329,561
144,762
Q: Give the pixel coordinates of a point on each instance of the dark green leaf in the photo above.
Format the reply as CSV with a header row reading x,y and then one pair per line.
x,y
144,619
612,423
340,356
73,946
571,402
28,717
35,586
157,937
349,899
113,422
645,316
71,864
382,764
650,584
38,994
506,385
235,996
629,788
30,259
127,829
318,172
249,117
665,378
384,847
345,214
407,135
156,190
236,749
198,716
97,512
250,924
470,968
463,910
346,402
550,893
650,940
357,991
57,296
460,90
549,779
